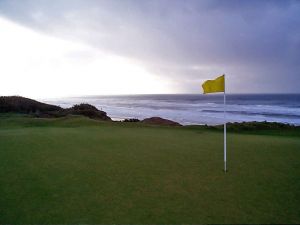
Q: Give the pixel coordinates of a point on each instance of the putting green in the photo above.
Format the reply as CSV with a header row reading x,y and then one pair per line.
x,y
77,170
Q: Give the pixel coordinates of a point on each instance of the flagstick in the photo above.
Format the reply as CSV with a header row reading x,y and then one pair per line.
x,y
225,168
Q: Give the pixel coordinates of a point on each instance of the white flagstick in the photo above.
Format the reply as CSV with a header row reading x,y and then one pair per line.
x,y
225,168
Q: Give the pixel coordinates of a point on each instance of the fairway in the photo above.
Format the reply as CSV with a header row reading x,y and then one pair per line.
x,y
78,170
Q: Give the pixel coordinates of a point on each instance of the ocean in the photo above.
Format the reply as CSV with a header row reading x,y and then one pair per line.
x,y
195,108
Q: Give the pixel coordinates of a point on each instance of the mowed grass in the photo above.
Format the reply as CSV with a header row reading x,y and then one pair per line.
x,y
77,170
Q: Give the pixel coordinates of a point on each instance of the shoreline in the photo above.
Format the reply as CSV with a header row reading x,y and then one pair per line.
x,y
121,119
18,104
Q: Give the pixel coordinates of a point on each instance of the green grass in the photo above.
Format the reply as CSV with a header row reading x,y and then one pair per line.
x,y
77,170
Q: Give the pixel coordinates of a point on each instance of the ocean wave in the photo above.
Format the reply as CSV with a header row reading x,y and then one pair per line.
x,y
196,109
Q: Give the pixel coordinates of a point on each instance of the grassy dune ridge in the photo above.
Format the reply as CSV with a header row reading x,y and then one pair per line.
x,y
78,170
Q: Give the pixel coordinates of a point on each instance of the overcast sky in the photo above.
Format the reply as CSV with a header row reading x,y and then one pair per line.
x,y
76,47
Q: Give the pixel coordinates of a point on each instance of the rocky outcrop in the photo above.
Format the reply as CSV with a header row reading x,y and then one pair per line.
x,y
160,121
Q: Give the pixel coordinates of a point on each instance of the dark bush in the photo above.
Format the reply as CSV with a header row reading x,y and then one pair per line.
x,y
255,126
84,106
87,110
131,120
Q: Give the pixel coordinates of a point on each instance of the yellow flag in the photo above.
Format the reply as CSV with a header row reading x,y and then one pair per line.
x,y
216,85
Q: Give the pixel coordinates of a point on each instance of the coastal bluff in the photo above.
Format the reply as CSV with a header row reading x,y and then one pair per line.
x,y
18,104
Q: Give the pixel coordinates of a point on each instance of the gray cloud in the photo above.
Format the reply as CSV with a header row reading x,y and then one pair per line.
x,y
254,42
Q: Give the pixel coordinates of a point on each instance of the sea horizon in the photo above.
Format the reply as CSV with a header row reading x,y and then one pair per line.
x,y
111,95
